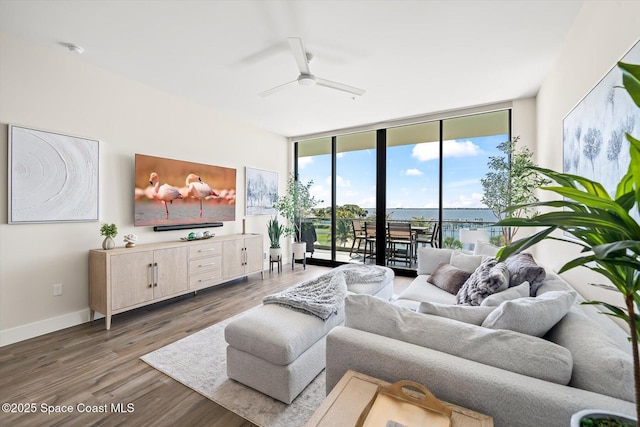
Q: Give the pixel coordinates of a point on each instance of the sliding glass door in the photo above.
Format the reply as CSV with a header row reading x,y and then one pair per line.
x,y
423,177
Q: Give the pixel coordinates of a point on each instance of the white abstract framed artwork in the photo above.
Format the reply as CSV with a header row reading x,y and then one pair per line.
x,y
261,191
52,177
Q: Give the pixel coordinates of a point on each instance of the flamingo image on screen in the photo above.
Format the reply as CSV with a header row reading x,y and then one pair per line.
x,y
164,192
208,194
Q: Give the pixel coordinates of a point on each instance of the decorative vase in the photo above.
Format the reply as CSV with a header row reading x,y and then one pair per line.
x,y
599,414
108,243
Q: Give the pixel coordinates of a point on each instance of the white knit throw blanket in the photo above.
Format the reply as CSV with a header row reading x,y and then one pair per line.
x,y
324,295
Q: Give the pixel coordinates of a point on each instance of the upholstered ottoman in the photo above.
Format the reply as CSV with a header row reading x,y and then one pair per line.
x,y
276,350
279,351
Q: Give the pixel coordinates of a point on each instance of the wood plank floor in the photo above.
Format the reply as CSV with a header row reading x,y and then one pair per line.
x,y
87,365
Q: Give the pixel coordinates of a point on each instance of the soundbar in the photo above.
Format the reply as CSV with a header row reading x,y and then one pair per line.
x,y
186,226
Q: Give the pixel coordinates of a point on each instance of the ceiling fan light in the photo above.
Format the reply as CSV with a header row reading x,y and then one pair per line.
x,y
306,80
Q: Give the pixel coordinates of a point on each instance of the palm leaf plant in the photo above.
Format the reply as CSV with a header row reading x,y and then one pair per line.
x,y
603,226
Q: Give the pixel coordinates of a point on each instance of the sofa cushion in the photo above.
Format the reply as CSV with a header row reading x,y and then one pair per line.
x,y
490,277
485,249
523,268
600,362
494,300
462,313
551,283
508,350
430,258
420,290
448,278
465,262
531,316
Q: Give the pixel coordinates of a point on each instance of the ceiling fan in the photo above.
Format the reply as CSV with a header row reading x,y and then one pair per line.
x,y
305,78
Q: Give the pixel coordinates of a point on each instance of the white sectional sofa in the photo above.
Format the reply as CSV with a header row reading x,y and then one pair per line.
x,y
580,358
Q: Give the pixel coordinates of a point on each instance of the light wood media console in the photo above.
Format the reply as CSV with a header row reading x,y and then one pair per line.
x,y
126,278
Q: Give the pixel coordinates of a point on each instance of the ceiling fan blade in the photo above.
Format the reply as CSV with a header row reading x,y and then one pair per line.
x,y
339,86
299,54
277,88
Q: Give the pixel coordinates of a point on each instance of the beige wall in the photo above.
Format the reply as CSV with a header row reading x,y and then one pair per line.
x,y
52,89
602,33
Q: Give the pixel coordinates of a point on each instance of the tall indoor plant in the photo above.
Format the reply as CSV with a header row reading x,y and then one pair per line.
x,y
294,206
604,227
511,181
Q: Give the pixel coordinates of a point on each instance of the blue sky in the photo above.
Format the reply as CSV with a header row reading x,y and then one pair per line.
x,y
412,174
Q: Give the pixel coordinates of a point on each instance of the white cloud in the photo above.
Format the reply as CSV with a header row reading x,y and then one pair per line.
x,y
465,201
304,161
321,193
429,150
464,183
413,172
367,202
341,182
340,155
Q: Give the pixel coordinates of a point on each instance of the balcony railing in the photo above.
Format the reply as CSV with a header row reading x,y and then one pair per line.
x,y
344,236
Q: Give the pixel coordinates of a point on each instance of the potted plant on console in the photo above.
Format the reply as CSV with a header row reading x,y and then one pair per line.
x,y
608,234
294,206
274,230
109,231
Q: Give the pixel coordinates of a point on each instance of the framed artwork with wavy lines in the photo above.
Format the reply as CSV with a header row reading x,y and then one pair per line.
x,y
52,177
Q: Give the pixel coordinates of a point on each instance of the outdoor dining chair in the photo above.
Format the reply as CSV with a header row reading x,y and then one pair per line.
x,y
359,235
400,242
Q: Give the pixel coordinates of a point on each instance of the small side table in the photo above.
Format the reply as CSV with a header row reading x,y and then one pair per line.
x,y
275,261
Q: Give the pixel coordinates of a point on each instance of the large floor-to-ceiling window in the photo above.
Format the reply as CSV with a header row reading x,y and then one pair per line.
x,y
378,184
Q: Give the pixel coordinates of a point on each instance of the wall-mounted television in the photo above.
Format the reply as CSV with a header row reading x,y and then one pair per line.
x,y
173,193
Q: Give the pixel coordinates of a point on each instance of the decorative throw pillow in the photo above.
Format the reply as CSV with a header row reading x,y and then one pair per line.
x,y
531,316
462,313
494,300
524,269
485,248
490,277
448,278
430,258
465,262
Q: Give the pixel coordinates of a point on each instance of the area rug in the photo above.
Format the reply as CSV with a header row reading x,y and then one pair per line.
x,y
199,362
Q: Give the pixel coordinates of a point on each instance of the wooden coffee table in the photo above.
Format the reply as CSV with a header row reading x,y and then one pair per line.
x,y
350,396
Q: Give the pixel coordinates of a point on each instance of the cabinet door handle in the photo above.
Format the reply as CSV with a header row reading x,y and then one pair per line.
x,y
204,265
150,275
155,276
206,250
207,279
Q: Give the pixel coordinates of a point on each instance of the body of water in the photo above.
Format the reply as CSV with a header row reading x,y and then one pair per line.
x,y
472,215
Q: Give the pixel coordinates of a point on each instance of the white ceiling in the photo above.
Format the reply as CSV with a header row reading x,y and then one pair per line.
x,y
412,57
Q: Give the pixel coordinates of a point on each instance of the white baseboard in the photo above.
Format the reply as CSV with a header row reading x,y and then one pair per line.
x,y
41,327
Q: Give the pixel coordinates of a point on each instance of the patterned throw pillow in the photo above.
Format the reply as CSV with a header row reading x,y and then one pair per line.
x,y
448,278
490,277
523,268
